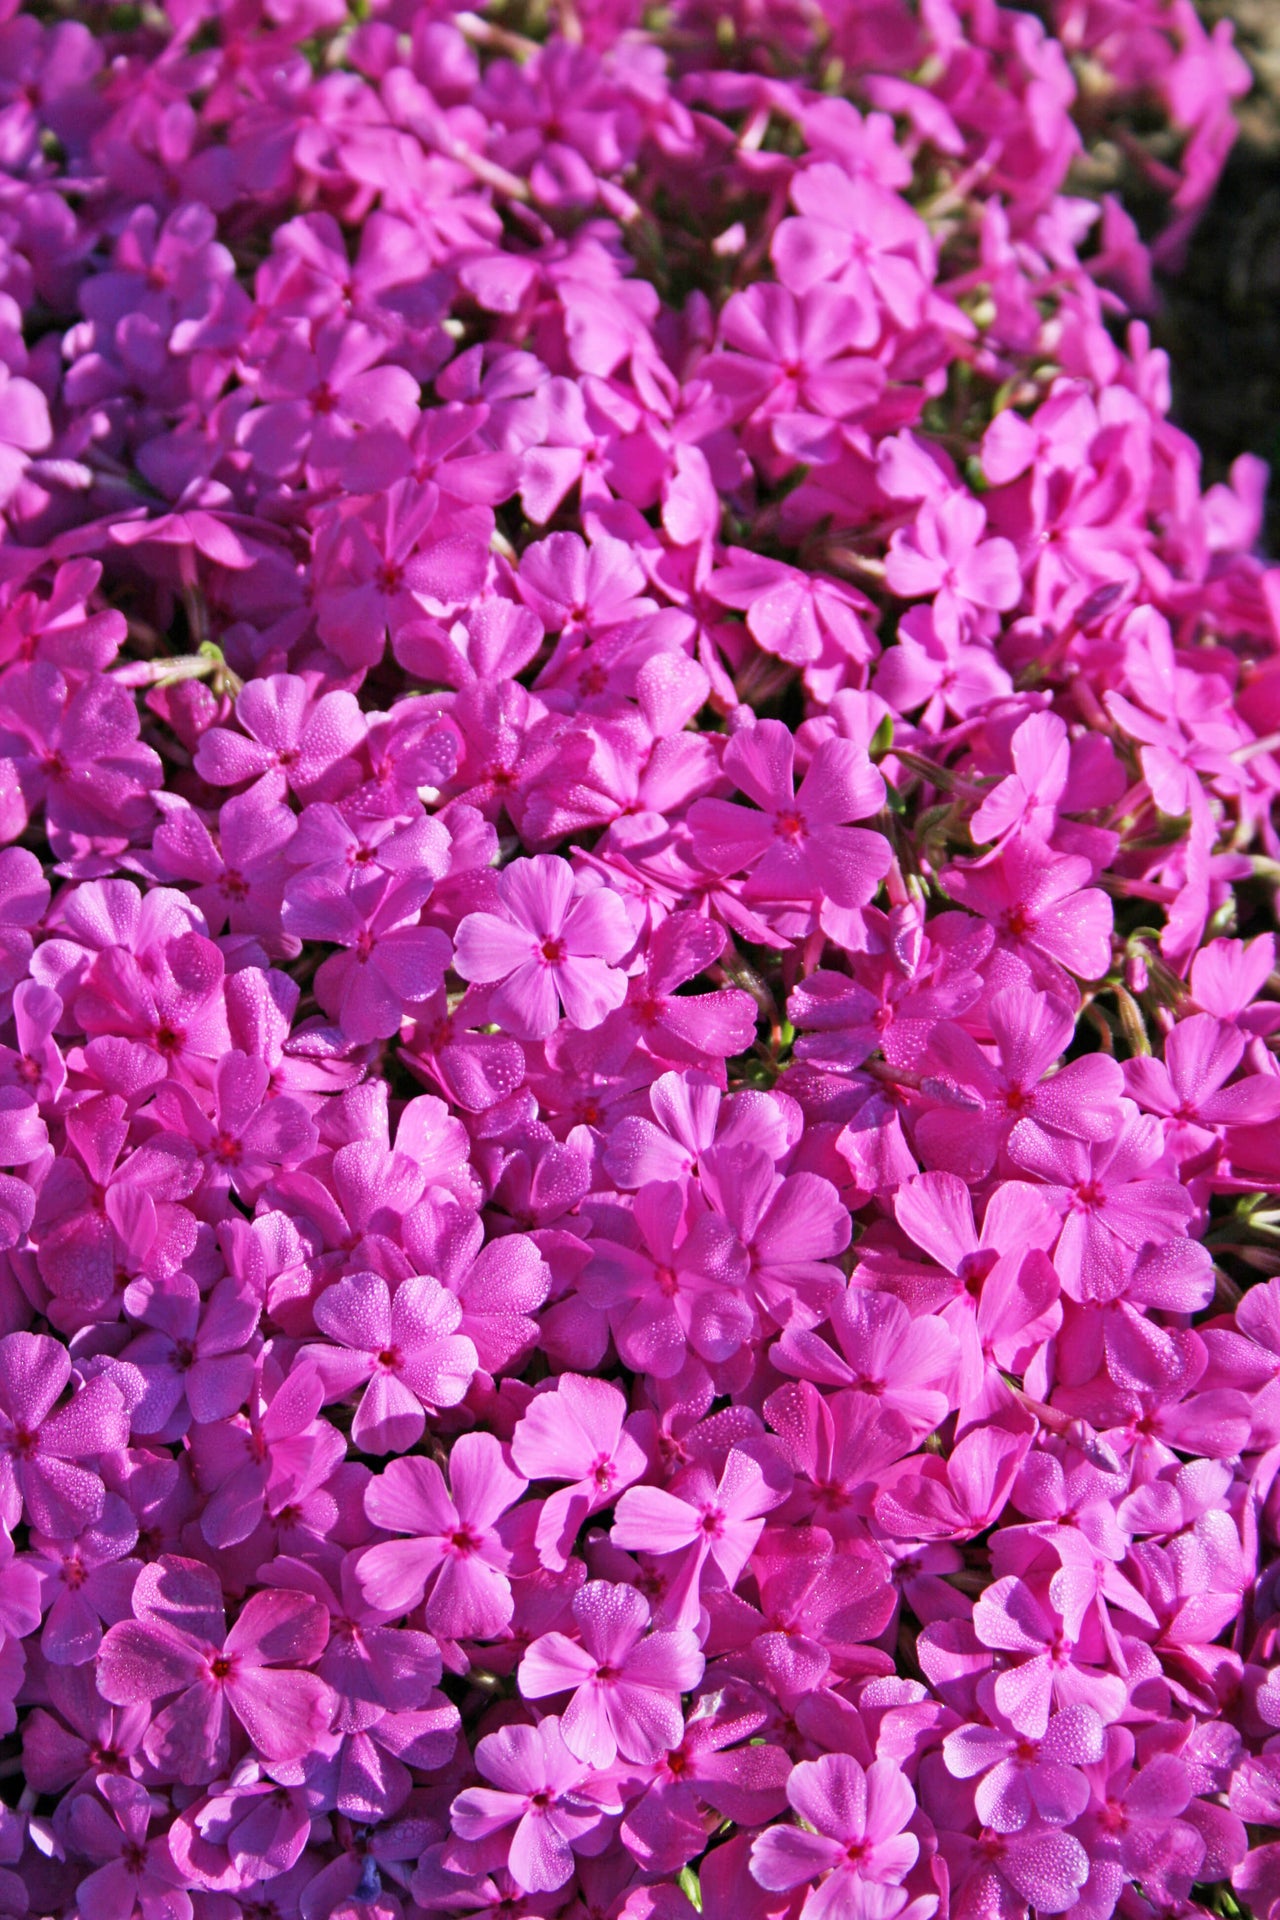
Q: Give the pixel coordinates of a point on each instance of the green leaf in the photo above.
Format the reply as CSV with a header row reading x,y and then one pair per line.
x,y
690,1888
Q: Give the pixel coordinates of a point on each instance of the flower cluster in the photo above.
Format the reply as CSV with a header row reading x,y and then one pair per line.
x,y
638,1022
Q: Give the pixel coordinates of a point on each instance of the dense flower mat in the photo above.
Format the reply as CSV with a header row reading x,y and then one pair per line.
x,y
639,1064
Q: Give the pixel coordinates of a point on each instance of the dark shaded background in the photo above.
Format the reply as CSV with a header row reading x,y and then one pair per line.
x,y
1220,318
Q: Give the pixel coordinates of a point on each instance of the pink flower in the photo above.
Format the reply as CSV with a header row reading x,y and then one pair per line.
x,y
83,1583
577,1431
626,1683
1116,1200
1031,1032
74,750
1040,1671
553,944
1188,1087
854,1819
857,230
685,1027
1041,908
679,1288
319,399
293,737
248,1137
138,1874
274,1455
25,428
460,1548
944,555
1028,799
798,846
44,1445
1021,1780
541,1792
792,355
390,963
191,1352
703,1519
177,1644
387,560
403,1347
498,1284
995,1873
906,1365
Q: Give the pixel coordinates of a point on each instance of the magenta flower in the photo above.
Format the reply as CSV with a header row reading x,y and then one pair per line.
x,y
73,750
83,1584
319,399
44,1445
498,1284
390,1715
542,1794
1022,1780
1040,1670
459,1548
390,963
293,737
906,1365
819,1604
271,1458
1043,1868
401,555
177,1645
577,1431
797,847
192,1353
685,1027
248,1137
239,875
703,1519
675,1288
721,1764
78,1736
553,944
1042,908
1028,798
490,1187
1188,1087
943,555
404,1348
792,355
25,429
1001,1301
626,1682
138,1874
854,1819
1031,1032
855,229
921,670
1116,1201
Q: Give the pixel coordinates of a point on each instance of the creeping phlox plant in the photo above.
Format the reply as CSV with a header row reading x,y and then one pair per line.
x,y
638,1067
